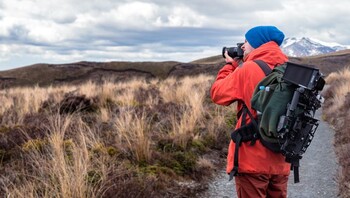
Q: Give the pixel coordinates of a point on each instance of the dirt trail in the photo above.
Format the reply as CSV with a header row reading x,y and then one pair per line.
x,y
318,170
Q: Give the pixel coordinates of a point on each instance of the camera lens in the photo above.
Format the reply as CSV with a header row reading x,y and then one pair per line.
x,y
232,51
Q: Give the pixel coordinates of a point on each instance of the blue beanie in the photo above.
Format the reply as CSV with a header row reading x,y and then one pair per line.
x,y
262,34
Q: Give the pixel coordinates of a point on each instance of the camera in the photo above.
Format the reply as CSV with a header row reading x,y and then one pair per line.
x,y
233,51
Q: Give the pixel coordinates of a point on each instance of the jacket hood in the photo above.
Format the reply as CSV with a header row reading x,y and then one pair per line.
x,y
269,52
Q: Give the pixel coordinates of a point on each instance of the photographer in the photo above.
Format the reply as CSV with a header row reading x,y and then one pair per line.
x,y
261,172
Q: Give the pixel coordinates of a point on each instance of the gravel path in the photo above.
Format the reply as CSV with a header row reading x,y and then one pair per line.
x,y
318,170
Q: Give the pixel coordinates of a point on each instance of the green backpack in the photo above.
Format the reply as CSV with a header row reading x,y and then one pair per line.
x,y
285,101
270,99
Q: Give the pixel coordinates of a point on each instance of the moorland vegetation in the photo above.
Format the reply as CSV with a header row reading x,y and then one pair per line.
x,y
336,112
138,138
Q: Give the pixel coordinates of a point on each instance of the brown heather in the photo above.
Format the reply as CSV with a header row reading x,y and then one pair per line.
x,y
132,139
336,111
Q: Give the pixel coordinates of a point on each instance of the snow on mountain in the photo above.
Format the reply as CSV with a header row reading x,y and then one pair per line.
x,y
299,47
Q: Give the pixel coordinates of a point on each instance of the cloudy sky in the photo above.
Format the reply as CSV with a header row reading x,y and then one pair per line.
x,y
64,31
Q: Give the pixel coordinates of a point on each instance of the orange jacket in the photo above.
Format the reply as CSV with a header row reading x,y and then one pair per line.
x,y
237,83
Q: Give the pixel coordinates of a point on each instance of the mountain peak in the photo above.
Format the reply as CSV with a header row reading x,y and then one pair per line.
x,y
305,46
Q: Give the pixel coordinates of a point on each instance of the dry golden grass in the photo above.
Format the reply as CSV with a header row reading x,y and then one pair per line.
x,y
133,132
18,102
340,88
336,111
191,94
110,139
62,167
344,74
204,163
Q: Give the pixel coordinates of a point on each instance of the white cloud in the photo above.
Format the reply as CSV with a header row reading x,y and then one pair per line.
x,y
55,31
181,17
137,15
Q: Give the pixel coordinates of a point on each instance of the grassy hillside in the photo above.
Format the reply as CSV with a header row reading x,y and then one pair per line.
x,y
327,63
77,73
210,60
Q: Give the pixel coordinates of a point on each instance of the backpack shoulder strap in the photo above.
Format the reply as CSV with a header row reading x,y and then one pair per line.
x,y
266,69
246,132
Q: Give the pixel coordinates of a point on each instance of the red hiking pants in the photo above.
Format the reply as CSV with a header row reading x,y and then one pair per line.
x,y
261,186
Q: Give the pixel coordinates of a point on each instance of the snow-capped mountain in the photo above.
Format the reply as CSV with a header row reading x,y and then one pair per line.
x,y
298,47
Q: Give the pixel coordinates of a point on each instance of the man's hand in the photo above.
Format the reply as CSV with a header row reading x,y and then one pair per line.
x,y
228,58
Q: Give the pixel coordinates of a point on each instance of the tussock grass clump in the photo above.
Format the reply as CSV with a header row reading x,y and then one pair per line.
x,y
132,139
336,112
